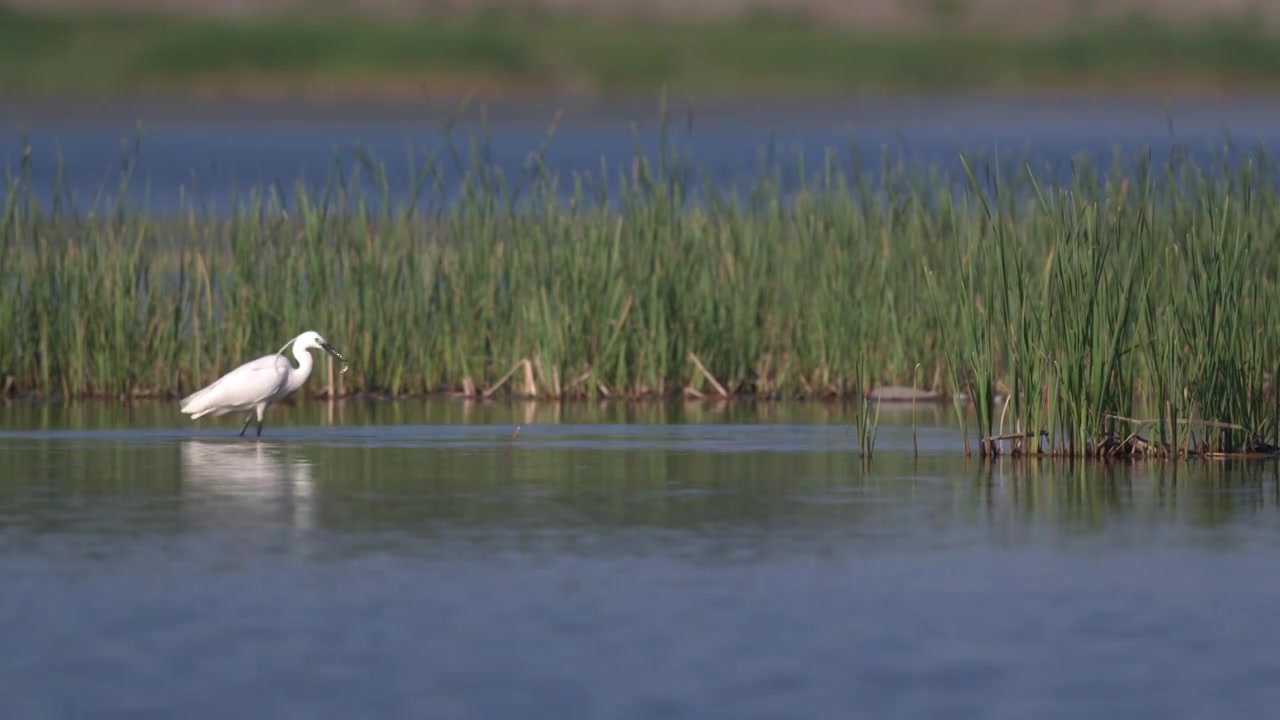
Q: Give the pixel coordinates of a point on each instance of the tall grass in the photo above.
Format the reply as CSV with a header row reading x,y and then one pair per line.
x,y
1113,313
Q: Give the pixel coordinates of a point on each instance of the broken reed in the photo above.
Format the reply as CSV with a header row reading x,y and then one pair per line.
x,y
1139,285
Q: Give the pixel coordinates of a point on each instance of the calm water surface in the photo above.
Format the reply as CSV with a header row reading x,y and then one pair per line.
x,y
684,561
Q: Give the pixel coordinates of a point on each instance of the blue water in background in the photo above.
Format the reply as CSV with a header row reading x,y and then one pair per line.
x,y
207,152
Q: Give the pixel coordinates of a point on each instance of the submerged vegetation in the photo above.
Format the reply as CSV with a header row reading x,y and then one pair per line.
x,y
1123,311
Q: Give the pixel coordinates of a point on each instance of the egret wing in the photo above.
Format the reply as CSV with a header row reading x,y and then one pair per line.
x,y
241,389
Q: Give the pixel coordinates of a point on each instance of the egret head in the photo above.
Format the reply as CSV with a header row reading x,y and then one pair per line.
x,y
311,339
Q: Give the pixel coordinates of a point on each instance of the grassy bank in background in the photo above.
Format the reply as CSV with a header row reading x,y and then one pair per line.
x,y
535,52
1078,302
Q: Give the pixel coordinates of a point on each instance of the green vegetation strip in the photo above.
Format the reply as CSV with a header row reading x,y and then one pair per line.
x,y
1057,310
104,53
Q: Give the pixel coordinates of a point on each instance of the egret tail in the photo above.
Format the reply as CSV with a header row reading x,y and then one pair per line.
x,y
207,401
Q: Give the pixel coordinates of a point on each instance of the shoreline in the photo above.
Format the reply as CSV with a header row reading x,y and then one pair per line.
x,y
324,57
927,399
1112,447
406,93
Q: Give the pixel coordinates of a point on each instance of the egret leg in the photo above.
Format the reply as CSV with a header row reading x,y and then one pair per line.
x,y
261,411
246,425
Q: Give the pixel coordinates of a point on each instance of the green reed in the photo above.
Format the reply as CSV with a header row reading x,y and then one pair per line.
x,y
1111,314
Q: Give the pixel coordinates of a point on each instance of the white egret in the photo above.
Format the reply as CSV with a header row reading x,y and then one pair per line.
x,y
258,383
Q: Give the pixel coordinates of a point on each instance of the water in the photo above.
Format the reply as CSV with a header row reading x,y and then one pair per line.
x,y
202,153
618,561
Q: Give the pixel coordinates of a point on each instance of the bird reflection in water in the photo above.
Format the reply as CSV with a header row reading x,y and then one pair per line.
x,y
227,484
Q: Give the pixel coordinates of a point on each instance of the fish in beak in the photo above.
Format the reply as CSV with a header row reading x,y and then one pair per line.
x,y
324,345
